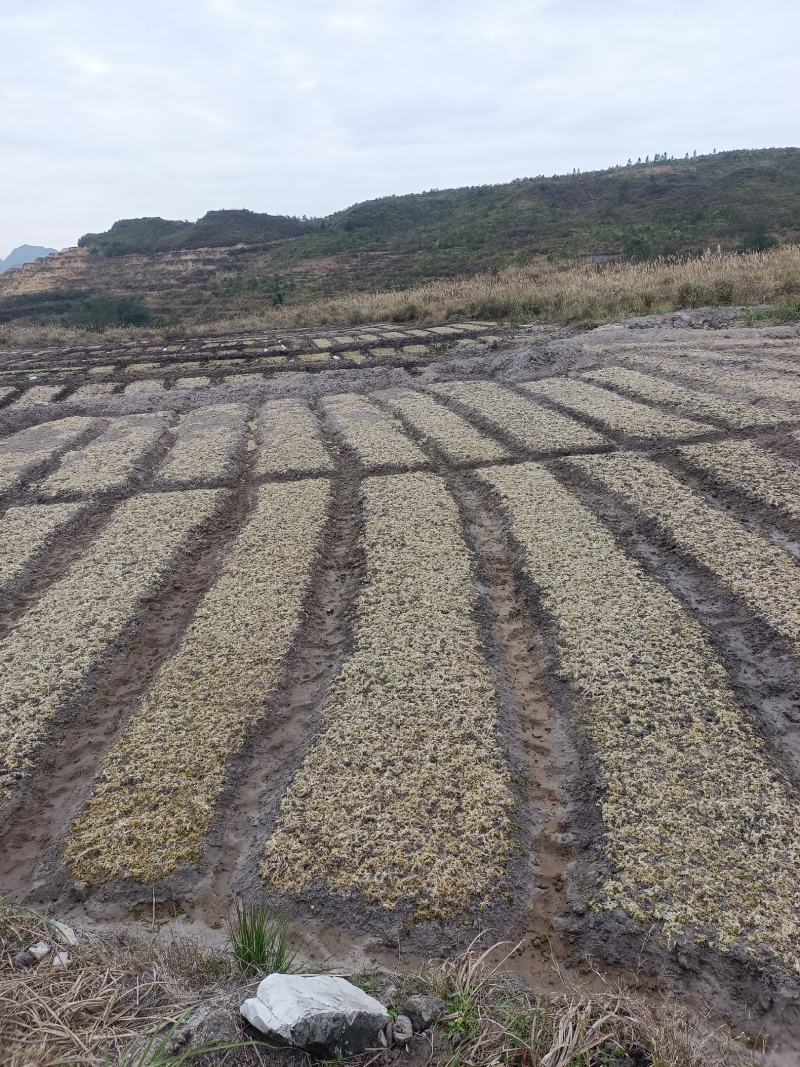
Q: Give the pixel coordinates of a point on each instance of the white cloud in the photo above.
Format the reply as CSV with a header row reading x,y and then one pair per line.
x,y
113,110
87,64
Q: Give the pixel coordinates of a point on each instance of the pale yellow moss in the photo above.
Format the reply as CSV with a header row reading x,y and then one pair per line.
x,y
26,531
406,795
759,474
614,412
766,578
157,791
290,440
534,427
205,446
693,403
377,439
50,654
460,441
110,461
702,829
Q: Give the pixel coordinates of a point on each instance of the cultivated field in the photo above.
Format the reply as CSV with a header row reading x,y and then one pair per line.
x,y
413,632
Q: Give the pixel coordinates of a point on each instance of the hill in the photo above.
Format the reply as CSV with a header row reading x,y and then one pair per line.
x,y
216,229
23,254
230,262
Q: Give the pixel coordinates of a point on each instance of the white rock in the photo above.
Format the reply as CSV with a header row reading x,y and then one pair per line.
x,y
322,1014
61,959
39,949
68,935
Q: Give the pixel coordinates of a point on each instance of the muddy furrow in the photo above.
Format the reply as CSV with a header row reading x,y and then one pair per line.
x,y
52,565
760,664
248,808
63,780
538,747
137,482
519,453
65,550
768,522
716,385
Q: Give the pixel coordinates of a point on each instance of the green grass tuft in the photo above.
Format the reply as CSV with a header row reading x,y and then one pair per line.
x,y
259,942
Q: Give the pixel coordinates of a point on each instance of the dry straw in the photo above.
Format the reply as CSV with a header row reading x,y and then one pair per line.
x,y
563,292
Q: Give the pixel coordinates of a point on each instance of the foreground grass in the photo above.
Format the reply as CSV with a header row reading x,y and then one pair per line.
x,y
125,1001
562,293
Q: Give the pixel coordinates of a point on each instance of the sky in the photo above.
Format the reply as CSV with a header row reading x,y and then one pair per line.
x,y
122,108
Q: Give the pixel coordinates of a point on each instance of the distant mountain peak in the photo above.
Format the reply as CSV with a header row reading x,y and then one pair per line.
x,y
24,254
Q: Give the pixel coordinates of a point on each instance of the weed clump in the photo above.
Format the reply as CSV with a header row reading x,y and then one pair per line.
x,y
259,942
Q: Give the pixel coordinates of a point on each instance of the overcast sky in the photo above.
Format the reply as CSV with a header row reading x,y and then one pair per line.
x,y
118,108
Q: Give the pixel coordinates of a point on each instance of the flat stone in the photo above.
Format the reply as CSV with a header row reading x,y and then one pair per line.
x,y
68,935
324,1015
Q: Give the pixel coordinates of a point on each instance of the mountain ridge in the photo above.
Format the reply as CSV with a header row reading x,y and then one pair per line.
x,y
233,261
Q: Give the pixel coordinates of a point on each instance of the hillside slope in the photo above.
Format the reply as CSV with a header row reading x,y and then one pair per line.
x,y
231,261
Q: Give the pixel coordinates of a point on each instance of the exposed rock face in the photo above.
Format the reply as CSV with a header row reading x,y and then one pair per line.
x,y
77,268
321,1014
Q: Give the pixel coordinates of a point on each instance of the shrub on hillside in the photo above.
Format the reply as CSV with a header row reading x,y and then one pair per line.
x,y
102,312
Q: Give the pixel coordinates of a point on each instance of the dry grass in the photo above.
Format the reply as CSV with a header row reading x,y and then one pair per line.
x,y
500,1021
550,292
123,1000
117,990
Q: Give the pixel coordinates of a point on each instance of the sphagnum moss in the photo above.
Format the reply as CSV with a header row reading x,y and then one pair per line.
x,y
765,577
763,476
26,531
695,404
290,441
702,830
37,394
146,385
536,428
92,389
22,452
460,441
745,382
406,795
110,461
615,412
377,439
50,654
157,790
205,446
